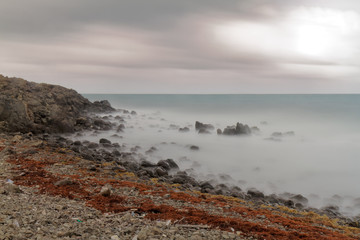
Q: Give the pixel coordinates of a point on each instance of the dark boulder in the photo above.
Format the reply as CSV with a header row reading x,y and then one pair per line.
x,y
299,199
168,164
239,129
184,129
146,163
255,193
203,127
193,147
104,141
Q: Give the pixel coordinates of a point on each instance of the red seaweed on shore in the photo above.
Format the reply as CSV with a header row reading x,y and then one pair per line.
x,y
33,171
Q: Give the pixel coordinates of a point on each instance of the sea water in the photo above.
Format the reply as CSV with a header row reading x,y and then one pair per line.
x,y
319,158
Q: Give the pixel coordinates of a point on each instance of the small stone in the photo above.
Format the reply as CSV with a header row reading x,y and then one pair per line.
x,y
115,237
105,191
12,188
64,182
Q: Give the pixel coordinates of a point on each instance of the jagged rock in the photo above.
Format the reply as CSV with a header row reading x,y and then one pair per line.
x,y
204,128
239,129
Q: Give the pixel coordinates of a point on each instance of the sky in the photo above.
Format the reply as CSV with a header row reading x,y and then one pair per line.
x,y
187,46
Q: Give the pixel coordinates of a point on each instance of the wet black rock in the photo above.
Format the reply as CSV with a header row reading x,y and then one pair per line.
x,y
193,147
120,128
146,163
184,129
205,185
203,128
168,164
204,131
219,131
299,199
239,129
151,150
93,145
160,171
104,141
255,193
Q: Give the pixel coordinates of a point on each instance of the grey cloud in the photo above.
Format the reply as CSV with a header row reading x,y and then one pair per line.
x,y
149,40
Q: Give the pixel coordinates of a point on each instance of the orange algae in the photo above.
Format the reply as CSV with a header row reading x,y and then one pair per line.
x,y
34,173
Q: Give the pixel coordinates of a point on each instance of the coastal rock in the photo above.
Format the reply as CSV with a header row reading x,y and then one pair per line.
x,y
39,108
168,164
239,129
104,141
184,129
203,128
255,193
193,147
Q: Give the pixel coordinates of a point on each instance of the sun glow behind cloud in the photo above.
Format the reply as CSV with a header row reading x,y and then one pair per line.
x,y
316,33
322,32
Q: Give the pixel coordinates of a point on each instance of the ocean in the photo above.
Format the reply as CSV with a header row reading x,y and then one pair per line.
x,y
306,144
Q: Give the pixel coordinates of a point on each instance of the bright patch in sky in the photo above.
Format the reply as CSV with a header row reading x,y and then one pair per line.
x,y
315,40
320,32
309,32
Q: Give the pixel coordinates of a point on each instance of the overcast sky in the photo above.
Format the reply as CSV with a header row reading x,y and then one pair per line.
x,y
187,46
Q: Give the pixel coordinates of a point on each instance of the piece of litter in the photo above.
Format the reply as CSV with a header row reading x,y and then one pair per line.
x,y
79,220
10,181
168,222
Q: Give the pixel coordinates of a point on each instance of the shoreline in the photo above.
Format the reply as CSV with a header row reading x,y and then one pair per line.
x,y
58,171
54,188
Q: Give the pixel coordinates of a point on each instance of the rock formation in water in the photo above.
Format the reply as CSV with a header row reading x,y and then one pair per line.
x,y
38,108
239,129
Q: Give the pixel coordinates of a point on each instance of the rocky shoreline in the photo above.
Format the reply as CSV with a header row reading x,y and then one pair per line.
x,y
95,190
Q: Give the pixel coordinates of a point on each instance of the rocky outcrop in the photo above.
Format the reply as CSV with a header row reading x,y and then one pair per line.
x,y
239,129
203,127
39,108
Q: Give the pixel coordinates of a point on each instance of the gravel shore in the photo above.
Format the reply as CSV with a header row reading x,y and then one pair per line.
x,y
48,192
